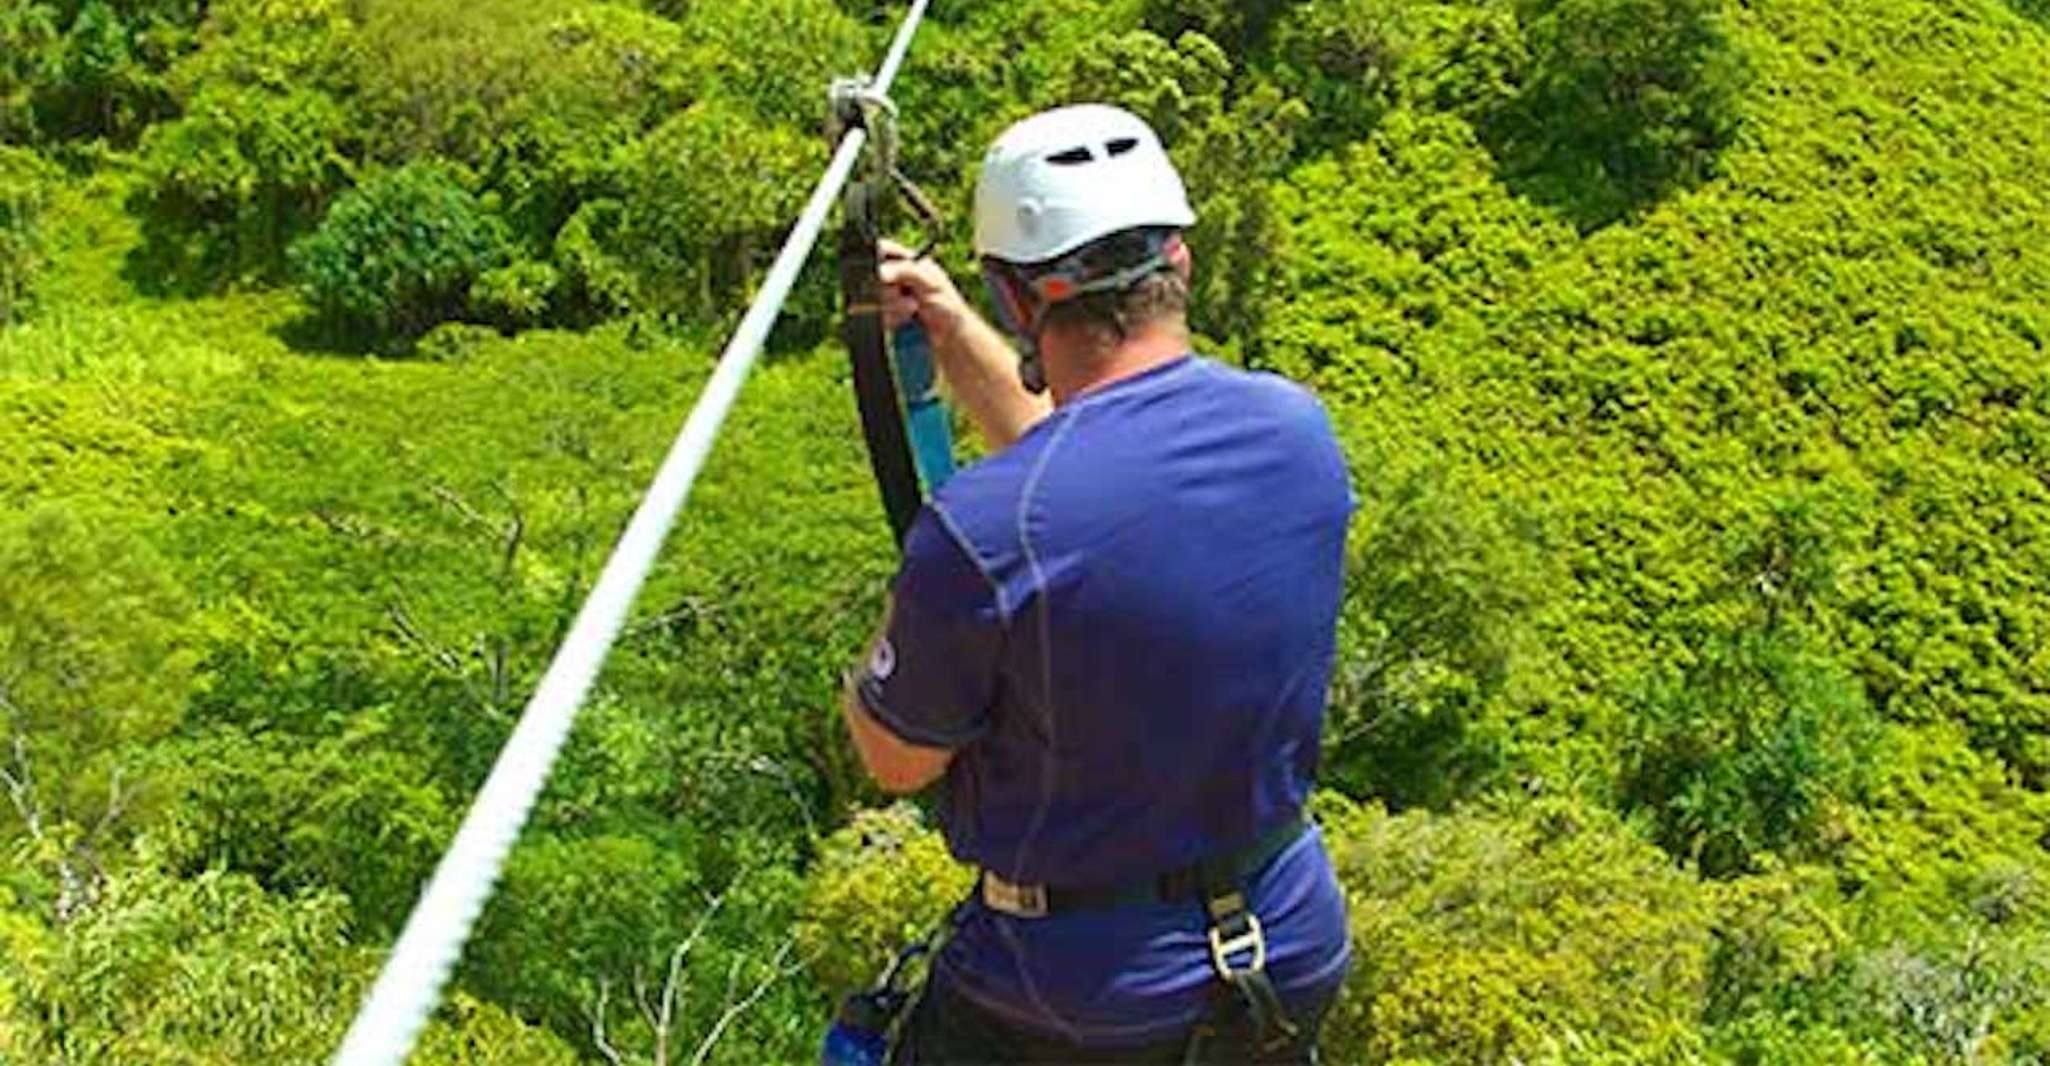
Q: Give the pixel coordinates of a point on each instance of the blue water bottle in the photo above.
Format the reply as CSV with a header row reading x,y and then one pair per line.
x,y
860,1035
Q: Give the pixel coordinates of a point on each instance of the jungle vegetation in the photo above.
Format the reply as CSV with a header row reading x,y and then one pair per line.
x,y
1693,701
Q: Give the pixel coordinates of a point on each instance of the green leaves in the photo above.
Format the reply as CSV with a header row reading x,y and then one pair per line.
x,y
25,186
701,203
399,254
1625,99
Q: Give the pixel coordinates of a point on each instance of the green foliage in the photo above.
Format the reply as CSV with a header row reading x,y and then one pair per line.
x,y
1941,819
1449,247
280,46
346,813
94,69
105,76
94,666
702,202
1240,27
536,98
880,883
227,188
1435,606
1341,59
776,57
1641,503
516,295
1754,748
211,971
1626,98
399,254
27,32
263,143
25,184
1550,934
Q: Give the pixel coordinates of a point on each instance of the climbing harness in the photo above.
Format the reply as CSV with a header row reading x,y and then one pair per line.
x,y
908,433
410,984
1238,943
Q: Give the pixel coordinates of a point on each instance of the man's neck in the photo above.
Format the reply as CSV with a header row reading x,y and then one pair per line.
x,y
1070,379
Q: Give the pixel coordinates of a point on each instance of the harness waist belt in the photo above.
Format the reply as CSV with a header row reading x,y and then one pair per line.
x,y
1184,883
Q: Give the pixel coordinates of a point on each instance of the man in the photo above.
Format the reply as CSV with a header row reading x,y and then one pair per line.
x,y
1113,639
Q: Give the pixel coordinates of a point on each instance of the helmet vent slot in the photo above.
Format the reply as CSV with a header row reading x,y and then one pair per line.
x,y
1073,157
1121,146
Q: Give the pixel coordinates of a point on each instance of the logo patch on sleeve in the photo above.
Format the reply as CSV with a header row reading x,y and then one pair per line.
x,y
883,661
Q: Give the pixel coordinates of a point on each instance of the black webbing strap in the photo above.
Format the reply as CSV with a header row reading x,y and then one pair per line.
x,y
1238,954
875,384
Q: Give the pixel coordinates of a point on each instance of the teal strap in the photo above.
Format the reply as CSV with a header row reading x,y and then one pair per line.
x,y
932,432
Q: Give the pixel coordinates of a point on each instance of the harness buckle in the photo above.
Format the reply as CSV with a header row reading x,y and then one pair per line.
x,y
1018,901
1250,937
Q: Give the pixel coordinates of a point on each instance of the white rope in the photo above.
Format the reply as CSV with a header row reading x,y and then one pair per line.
x,y
410,984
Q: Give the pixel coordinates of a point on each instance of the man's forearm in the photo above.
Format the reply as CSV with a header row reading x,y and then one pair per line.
x,y
981,372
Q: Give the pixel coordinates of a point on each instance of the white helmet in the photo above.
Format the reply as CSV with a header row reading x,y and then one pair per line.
x,y
1059,180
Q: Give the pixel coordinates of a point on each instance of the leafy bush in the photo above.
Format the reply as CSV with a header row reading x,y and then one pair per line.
x,y
348,813
1241,27
1549,934
1626,98
95,665
1753,749
880,883
213,970
702,203
263,143
775,57
538,99
1341,60
399,254
25,184
27,31
1435,610
516,295
106,76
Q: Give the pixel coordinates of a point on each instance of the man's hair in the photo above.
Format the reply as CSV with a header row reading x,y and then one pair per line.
x,y
1159,296
1155,298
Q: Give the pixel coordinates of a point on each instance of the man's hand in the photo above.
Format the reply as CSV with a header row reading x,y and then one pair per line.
x,y
921,288
977,363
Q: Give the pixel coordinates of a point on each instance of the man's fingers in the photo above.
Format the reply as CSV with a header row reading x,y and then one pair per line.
x,y
907,277
898,310
891,250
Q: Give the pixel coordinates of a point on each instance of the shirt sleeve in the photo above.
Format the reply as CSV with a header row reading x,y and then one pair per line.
x,y
931,677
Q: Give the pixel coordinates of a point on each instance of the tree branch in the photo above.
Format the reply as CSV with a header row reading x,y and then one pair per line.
x,y
598,1037
777,972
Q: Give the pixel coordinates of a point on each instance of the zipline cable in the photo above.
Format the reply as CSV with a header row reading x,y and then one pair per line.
x,y
410,985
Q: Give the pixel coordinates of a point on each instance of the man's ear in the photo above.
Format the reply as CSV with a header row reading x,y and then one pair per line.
x,y
1183,260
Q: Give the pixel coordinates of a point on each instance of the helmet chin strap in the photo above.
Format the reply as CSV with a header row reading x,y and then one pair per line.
x,y
1024,335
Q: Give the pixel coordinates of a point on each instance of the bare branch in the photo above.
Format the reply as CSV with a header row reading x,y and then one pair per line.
x,y
440,655
117,805
641,1000
20,782
598,1037
513,534
778,970
461,507
672,997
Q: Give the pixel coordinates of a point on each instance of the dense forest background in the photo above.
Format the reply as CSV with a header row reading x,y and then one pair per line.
x,y
1694,694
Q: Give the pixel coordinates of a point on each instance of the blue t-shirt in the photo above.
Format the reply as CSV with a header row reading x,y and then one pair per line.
x,y
1124,627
